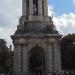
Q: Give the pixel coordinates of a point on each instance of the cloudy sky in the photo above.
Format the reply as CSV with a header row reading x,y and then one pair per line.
x,y
62,10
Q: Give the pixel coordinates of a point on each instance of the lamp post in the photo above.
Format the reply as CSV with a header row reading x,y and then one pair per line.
x,y
10,59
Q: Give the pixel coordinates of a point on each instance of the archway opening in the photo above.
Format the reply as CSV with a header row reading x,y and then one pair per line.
x,y
36,62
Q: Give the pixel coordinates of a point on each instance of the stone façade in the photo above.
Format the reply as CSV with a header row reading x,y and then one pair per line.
x,y
36,36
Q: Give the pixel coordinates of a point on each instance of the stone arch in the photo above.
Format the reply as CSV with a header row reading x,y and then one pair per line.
x,y
36,61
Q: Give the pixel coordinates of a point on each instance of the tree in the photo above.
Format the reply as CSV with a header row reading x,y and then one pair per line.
x,y
4,57
68,52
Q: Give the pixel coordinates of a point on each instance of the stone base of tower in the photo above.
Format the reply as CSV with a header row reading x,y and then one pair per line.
x,y
36,54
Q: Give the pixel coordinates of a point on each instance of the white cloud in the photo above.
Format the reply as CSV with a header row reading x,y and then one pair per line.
x,y
73,2
6,32
65,23
65,19
50,10
10,10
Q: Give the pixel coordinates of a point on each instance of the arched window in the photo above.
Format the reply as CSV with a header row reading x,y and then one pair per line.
x,y
35,7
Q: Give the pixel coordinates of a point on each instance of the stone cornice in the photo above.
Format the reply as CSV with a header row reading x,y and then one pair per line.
x,y
36,36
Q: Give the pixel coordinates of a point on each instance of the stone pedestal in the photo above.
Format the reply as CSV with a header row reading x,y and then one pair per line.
x,y
24,43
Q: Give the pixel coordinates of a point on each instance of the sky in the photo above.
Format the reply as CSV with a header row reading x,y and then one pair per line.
x,y
63,12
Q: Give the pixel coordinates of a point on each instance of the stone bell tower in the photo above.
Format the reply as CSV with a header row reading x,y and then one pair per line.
x,y
36,41
35,10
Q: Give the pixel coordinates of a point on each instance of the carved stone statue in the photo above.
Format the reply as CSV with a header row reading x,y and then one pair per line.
x,y
35,7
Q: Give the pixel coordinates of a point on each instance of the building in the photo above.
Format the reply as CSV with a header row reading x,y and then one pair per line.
x,y
36,41
68,54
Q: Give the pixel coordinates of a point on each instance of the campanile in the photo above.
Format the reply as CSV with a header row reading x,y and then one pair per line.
x,y
36,41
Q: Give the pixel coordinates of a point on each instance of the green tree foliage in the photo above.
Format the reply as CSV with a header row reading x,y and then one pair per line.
x,y
4,57
68,52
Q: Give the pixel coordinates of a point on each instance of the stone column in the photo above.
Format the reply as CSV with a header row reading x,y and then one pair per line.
x,y
45,8
57,58
24,8
39,7
49,59
25,63
30,7
17,59
21,56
